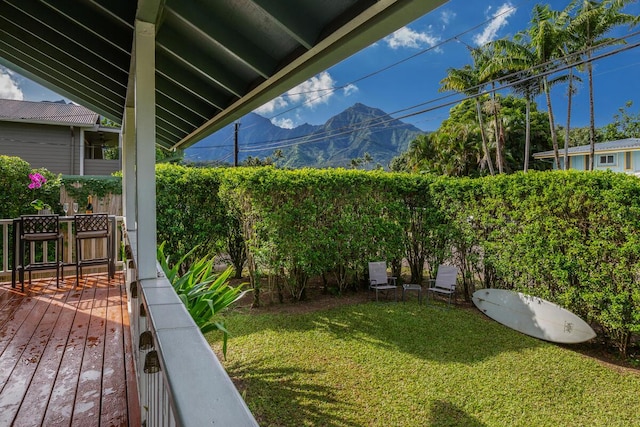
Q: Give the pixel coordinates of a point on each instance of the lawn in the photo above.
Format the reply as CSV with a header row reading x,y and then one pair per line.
x,y
395,364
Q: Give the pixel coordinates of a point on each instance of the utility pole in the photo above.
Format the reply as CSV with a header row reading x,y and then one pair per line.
x,y
235,145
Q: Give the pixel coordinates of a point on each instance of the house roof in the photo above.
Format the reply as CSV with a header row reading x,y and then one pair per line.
x,y
628,144
215,61
56,113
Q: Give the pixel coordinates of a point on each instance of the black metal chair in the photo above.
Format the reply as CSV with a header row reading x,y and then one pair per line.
x,y
92,226
34,230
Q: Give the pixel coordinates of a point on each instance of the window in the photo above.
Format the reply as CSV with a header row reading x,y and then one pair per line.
x,y
627,161
607,160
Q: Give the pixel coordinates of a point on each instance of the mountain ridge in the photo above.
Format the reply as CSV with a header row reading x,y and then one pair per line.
x,y
351,134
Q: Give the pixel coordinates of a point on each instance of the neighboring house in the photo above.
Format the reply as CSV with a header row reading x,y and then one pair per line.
x,y
63,138
619,156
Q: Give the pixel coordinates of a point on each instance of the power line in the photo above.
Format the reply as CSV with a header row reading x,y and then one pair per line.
x,y
560,64
390,66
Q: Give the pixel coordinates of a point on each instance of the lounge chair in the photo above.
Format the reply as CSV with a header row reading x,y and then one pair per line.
x,y
378,279
445,282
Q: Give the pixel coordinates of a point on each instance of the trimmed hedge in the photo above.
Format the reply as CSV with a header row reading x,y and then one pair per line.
x,y
16,196
569,237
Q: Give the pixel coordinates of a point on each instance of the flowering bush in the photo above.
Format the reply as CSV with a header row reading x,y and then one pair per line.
x,y
37,180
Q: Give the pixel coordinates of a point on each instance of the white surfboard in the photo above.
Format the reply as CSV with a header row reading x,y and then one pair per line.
x,y
533,316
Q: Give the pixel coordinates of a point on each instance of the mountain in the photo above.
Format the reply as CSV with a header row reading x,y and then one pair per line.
x,y
348,135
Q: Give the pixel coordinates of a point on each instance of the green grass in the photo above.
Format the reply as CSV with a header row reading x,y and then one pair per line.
x,y
388,364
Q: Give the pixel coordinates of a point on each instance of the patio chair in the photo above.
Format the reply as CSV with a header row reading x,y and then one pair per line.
x,y
445,282
379,281
92,226
41,229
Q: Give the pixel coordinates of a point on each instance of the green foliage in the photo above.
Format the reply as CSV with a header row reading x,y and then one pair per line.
x,y
455,149
16,196
204,293
624,125
190,212
81,187
303,223
171,157
568,237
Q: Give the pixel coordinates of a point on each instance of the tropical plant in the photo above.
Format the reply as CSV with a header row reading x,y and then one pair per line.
x,y
467,80
625,125
546,39
591,25
516,59
203,292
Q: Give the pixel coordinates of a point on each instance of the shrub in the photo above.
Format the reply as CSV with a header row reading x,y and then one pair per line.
x,y
203,292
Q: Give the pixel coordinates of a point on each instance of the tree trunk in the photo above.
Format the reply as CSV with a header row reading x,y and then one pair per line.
x,y
552,126
592,119
566,131
527,136
485,147
499,156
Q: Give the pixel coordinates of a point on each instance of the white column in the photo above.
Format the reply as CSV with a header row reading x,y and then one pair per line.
x,y
145,116
129,183
81,160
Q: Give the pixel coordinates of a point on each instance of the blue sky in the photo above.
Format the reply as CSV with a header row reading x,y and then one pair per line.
x,y
417,57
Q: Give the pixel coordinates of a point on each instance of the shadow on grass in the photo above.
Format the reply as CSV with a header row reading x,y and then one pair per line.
x,y
447,414
293,397
431,333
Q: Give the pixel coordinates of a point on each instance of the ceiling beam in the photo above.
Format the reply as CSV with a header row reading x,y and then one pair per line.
x,y
172,44
224,36
283,15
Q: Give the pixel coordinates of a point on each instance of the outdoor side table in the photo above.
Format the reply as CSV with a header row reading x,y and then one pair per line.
x,y
412,287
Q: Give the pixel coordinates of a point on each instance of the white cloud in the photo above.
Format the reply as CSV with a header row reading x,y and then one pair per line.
x,y
499,20
446,16
317,90
406,37
271,106
283,123
349,89
9,88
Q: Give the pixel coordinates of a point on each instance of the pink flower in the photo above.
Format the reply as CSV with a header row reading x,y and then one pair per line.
x,y
36,180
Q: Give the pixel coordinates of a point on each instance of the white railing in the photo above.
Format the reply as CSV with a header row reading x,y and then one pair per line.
x,y
181,382
91,248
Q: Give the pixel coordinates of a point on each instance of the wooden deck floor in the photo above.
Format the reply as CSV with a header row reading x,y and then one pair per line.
x,y
65,356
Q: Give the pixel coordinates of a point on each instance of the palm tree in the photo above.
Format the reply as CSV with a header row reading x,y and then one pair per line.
x,y
466,80
593,21
514,61
569,46
482,57
546,39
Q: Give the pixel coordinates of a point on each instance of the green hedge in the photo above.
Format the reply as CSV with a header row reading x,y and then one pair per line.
x,y
16,196
570,237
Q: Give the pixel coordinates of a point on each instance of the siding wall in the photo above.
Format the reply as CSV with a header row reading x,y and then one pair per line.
x,y
578,162
101,166
42,146
635,162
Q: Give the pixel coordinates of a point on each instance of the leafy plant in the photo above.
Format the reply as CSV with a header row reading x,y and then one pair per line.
x,y
203,293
